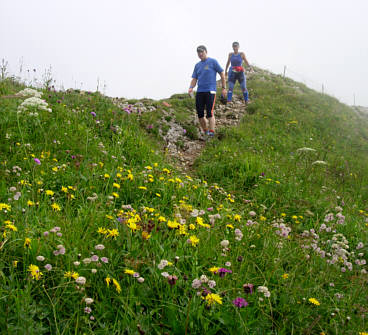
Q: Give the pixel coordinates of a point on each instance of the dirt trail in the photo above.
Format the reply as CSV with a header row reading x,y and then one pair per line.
x,y
186,154
181,148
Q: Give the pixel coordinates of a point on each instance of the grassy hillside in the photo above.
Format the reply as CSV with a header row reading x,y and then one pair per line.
x,y
101,234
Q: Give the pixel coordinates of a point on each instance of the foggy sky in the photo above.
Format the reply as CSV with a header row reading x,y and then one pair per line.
x,y
147,48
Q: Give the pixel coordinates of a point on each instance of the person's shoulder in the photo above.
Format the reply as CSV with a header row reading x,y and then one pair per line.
x,y
230,54
242,53
213,60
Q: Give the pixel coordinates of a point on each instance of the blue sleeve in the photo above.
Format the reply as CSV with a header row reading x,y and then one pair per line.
x,y
218,68
195,74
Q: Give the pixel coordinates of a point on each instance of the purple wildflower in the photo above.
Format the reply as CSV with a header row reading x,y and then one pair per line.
x,y
104,259
222,272
37,161
240,302
87,310
172,280
48,267
93,114
248,288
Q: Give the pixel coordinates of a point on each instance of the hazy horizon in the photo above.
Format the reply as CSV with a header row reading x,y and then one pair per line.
x,y
147,49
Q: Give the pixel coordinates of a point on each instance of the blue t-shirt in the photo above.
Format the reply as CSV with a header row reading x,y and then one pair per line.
x,y
205,72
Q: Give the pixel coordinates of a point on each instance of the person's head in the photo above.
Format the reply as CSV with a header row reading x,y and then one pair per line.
x,y
202,52
236,46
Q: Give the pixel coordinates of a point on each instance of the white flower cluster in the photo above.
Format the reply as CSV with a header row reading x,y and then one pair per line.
x,y
305,149
29,92
238,234
197,283
264,290
33,103
319,163
163,264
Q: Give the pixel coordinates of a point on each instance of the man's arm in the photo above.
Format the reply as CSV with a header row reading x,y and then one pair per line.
x,y
223,83
193,83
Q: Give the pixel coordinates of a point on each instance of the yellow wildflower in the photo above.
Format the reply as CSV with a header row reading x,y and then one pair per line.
x,y
285,276
27,242
158,194
64,189
237,217
161,219
11,227
116,185
142,187
145,235
71,274
194,240
183,229
35,272
112,232
115,195
106,175
192,226
49,192
30,203
129,272
15,264
108,281
314,301
214,269
102,230
117,285
213,298
56,207
172,224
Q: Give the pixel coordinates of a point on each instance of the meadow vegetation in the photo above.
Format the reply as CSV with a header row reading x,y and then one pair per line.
x,y
102,234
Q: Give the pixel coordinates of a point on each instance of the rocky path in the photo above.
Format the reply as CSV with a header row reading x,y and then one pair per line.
x,y
181,148
186,154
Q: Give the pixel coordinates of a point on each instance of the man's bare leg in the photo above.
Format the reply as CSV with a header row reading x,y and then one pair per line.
x,y
212,122
203,123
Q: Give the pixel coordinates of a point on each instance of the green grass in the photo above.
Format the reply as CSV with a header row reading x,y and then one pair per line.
x,y
251,178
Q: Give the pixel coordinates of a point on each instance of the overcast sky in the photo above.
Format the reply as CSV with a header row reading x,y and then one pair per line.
x,y
147,48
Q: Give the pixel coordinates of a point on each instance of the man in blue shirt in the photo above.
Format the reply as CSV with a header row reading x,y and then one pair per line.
x,y
205,74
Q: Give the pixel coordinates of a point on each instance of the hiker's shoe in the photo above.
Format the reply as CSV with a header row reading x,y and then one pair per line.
x,y
210,136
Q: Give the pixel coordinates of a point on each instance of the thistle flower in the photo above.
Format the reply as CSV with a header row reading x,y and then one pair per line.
x,y
240,302
172,279
248,288
222,272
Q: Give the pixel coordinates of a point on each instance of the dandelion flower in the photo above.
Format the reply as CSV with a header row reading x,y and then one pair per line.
x,y
117,285
314,301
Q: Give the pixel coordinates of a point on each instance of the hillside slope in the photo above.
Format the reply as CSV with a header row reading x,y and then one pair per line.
x,y
113,224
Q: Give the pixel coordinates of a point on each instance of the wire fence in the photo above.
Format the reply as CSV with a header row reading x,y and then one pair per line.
x,y
318,86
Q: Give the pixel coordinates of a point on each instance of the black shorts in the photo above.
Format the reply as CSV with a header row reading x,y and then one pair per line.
x,y
205,99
